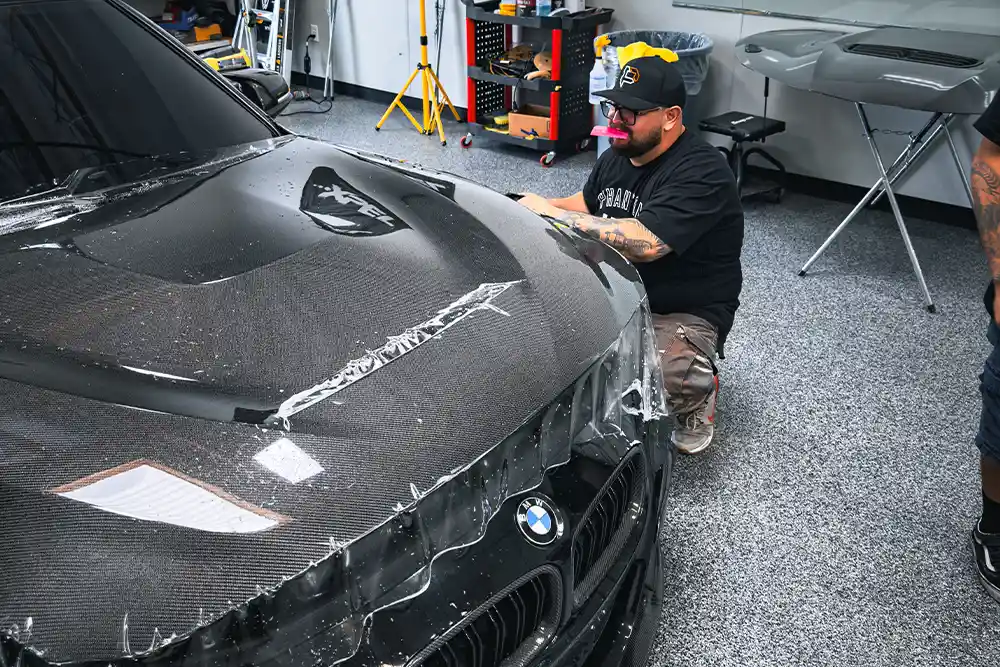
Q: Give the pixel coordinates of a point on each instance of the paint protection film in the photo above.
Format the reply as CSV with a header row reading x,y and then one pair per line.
x,y
323,615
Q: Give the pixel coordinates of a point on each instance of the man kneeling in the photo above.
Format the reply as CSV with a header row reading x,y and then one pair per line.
x,y
668,201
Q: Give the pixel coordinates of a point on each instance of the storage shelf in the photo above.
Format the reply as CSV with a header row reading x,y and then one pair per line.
x,y
570,114
541,85
590,18
480,129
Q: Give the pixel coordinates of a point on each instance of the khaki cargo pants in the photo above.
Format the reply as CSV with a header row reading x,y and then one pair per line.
x,y
687,346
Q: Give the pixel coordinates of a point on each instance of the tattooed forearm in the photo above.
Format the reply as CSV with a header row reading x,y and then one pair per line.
x,y
986,195
628,236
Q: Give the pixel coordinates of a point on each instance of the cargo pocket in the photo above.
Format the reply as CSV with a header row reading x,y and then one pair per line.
x,y
688,370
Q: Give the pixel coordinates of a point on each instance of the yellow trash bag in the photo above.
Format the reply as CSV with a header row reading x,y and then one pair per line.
x,y
641,50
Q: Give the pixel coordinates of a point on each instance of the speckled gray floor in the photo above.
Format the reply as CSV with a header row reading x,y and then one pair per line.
x,y
828,524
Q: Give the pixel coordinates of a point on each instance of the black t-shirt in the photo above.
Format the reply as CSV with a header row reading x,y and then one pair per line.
x,y
989,126
688,198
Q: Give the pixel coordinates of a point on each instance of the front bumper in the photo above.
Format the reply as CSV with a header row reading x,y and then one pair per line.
x,y
457,577
465,615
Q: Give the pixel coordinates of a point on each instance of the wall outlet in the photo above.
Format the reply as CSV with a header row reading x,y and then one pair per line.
x,y
314,31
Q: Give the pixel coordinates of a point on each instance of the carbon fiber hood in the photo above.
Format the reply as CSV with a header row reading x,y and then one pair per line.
x,y
370,324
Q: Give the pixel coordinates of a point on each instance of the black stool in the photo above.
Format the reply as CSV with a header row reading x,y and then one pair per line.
x,y
745,128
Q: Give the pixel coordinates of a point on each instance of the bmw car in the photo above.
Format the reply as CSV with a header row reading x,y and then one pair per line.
x,y
272,401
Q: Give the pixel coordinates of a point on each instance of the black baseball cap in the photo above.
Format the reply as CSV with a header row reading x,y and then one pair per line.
x,y
645,83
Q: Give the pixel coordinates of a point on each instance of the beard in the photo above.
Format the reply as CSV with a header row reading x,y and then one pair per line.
x,y
636,145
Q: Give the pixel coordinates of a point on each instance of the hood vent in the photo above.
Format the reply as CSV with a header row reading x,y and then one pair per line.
x,y
919,56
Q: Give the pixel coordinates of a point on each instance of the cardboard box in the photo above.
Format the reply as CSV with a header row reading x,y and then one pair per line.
x,y
527,120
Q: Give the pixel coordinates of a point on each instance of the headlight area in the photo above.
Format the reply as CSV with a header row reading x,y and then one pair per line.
x,y
609,425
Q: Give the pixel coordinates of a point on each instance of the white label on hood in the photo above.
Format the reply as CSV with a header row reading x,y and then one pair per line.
x,y
149,492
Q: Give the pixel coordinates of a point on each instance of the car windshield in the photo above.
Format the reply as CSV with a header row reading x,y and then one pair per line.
x,y
84,88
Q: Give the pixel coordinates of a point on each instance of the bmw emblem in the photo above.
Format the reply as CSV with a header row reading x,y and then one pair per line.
x,y
539,521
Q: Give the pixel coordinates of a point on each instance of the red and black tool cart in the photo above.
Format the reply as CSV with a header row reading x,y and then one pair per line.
x,y
532,91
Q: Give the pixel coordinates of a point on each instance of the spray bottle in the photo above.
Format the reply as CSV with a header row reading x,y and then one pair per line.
x,y
598,77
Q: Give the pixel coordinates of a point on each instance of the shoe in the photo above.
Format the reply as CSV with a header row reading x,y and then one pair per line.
x,y
694,432
986,547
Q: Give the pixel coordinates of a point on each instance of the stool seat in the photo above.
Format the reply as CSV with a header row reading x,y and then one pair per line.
x,y
742,126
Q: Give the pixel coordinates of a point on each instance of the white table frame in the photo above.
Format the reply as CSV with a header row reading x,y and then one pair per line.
x,y
918,144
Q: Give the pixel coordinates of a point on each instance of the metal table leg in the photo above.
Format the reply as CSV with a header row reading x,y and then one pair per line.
x,y
895,208
917,146
941,122
961,167
913,151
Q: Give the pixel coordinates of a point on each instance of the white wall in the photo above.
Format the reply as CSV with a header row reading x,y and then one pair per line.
x,y
377,43
823,138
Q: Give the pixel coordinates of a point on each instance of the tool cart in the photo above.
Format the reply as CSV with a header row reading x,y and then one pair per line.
x,y
535,92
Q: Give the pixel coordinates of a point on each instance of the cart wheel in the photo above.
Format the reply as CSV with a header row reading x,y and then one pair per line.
x,y
583,145
548,159
466,141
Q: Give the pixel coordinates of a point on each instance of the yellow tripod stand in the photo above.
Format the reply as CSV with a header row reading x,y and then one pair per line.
x,y
432,110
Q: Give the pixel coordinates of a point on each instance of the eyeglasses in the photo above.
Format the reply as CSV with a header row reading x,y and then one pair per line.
x,y
627,116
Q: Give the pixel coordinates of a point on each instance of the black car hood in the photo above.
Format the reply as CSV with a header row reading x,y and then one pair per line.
x,y
307,335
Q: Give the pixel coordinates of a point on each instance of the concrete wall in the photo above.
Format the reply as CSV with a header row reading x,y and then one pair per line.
x,y
823,139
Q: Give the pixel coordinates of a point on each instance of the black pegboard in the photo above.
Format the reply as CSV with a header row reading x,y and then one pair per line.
x,y
490,98
491,41
578,55
576,117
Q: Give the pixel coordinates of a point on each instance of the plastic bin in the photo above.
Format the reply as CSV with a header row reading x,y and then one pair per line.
x,y
693,51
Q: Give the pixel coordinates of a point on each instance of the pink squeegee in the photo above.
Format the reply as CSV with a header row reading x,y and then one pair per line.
x,y
602,131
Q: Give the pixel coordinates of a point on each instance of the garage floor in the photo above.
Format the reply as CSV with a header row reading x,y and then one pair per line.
x,y
829,524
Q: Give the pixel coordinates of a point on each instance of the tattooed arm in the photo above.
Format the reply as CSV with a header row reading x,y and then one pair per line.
x,y
986,193
629,236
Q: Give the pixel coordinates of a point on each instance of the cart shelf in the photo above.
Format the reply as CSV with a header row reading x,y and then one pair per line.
x,y
586,20
540,85
540,144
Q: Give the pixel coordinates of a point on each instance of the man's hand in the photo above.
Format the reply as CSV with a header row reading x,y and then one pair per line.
x,y
539,205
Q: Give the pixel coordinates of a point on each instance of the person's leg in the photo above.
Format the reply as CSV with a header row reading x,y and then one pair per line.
x,y
986,533
687,346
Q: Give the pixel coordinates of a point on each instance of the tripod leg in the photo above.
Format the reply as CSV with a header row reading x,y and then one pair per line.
x,y
433,117
396,103
437,120
895,209
428,111
444,93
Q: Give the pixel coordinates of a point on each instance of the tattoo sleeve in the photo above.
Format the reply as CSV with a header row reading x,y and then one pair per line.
x,y
986,193
629,236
